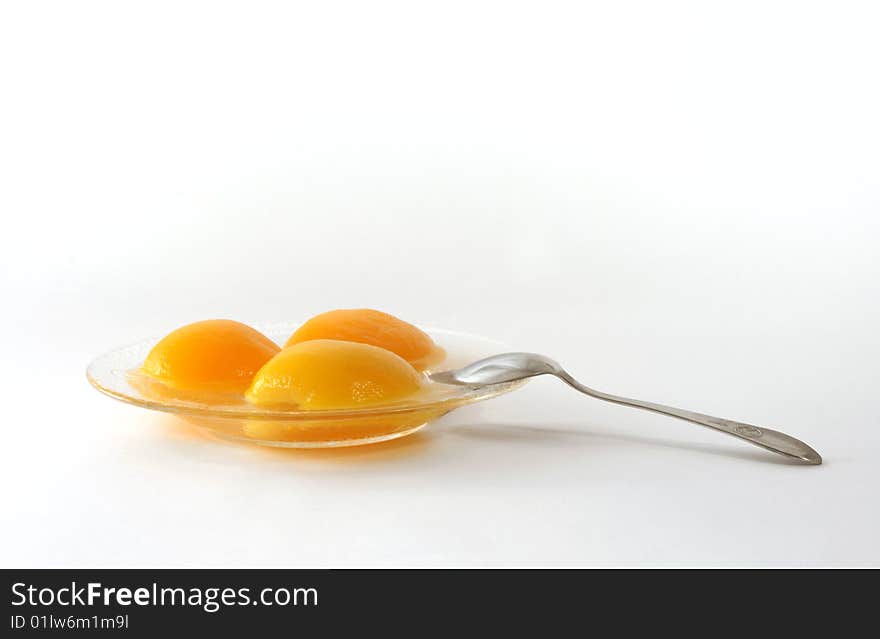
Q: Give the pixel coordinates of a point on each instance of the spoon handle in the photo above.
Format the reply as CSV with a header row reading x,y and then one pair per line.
x,y
771,440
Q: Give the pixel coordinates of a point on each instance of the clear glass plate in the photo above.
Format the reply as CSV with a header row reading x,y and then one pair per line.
x,y
117,374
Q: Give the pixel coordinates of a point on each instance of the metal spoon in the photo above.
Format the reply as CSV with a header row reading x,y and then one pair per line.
x,y
509,367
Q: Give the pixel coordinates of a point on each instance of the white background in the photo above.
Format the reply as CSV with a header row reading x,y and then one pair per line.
x,y
679,201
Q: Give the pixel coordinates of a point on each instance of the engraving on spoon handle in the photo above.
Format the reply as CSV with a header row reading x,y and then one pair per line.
x,y
767,438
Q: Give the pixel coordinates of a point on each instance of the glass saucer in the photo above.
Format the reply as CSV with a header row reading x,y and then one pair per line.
x,y
117,374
